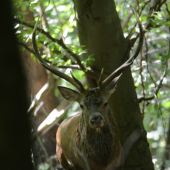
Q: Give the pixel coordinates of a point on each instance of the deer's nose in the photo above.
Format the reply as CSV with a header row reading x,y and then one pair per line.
x,y
96,120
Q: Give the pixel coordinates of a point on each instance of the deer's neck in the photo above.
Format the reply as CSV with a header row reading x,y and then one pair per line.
x,y
100,146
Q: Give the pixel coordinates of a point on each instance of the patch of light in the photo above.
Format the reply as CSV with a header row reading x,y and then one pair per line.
x,y
41,91
161,92
50,6
68,71
51,118
144,63
73,113
154,145
71,18
27,39
53,115
138,80
66,32
153,135
61,7
54,12
154,160
165,80
17,32
160,128
151,85
67,40
35,1
137,29
16,26
151,123
30,36
162,144
125,34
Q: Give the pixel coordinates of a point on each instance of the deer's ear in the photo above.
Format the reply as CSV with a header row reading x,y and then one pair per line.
x,y
69,94
111,87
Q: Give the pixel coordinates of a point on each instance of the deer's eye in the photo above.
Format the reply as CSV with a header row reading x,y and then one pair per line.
x,y
105,104
81,106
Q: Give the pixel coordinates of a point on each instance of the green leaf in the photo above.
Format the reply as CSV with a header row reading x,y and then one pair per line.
x,y
153,23
166,104
87,68
68,62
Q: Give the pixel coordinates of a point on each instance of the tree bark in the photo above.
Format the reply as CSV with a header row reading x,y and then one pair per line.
x,y
99,29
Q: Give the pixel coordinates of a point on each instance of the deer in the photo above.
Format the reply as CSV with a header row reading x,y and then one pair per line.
x,y
90,140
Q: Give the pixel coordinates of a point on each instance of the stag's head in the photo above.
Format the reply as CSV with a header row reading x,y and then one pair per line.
x,y
93,101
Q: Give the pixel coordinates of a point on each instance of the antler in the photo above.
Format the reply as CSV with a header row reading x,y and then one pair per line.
x,y
73,81
129,62
78,82
101,79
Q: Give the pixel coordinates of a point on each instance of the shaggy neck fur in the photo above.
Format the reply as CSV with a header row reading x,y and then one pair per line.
x,y
100,146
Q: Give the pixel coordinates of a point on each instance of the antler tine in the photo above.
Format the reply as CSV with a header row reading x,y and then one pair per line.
x,y
48,67
101,79
78,82
129,62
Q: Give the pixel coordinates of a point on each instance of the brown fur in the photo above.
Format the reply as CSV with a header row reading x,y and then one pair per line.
x,y
78,142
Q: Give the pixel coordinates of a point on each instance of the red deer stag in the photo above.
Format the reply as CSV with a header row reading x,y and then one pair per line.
x,y
90,140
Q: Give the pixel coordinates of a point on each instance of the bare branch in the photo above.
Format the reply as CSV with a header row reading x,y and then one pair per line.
x,y
146,57
130,15
59,42
143,86
54,118
158,87
67,66
161,80
43,147
27,48
44,91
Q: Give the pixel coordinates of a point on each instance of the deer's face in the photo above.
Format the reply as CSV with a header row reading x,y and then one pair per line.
x,y
93,103
94,107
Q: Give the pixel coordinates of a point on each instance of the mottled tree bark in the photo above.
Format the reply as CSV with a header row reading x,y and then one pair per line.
x,y
100,31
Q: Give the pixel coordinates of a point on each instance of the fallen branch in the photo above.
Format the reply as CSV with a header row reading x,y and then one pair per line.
x,y
44,91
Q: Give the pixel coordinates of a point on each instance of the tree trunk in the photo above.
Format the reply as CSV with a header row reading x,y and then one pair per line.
x,y
15,145
100,31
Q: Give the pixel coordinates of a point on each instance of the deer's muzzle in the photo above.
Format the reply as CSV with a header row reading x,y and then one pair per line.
x,y
96,120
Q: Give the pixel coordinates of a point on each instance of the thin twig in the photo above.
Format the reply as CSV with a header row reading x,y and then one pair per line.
x,y
148,24
146,58
26,47
143,86
128,17
160,83
43,147
157,90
